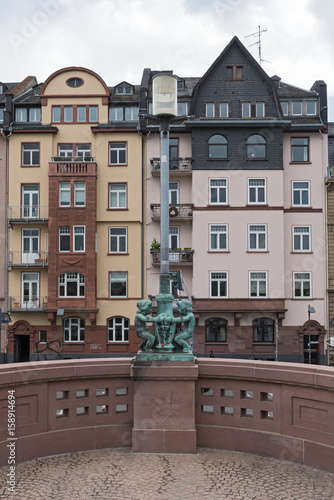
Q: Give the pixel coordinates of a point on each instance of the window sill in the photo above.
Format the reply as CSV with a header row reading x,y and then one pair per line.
x,y
257,204
218,205
219,251
113,209
298,252
257,251
117,165
300,163
125,342
118,253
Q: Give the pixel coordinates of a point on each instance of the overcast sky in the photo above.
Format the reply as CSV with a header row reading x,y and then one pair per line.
x,y
119,38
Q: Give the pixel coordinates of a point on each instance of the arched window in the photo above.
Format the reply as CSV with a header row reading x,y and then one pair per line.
x,y
217,147
263,330
215,330
256,147
71,285
118,329
74,330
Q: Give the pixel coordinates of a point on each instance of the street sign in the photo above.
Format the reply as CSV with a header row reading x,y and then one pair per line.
x,y
330,341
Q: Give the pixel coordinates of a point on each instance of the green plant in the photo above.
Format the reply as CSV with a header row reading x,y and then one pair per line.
x,y
155,245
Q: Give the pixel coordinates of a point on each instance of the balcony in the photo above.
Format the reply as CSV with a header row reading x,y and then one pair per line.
x,y
27,213
24,303
70,165
18,258
178,257
180,166
180,211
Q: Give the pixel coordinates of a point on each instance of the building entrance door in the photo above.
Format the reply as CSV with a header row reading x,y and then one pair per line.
x,y
314,349
21,348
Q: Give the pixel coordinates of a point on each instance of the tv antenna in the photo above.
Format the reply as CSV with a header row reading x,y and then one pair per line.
x,y
258,42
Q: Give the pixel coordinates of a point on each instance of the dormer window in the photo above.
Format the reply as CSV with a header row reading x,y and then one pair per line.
x,y
1,89
311,107
297,107
180,84
234,73
124,89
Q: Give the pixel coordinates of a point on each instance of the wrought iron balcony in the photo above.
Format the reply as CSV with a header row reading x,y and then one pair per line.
x,y
176,165
179,211
25,303
72,165
17,258
28,213
178,256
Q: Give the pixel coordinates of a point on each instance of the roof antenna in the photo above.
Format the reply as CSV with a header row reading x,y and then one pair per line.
x,y
258,34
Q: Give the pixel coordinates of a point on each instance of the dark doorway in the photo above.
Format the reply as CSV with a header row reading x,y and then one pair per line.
x,y
314,349
21,348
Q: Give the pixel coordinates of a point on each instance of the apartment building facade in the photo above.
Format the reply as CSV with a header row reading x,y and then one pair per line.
x,y
247,206
75,218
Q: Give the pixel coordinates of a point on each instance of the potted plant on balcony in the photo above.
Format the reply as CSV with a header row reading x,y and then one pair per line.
x,y
155,245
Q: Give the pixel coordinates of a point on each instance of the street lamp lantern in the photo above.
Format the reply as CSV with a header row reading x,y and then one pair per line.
x,y
164,95
310,310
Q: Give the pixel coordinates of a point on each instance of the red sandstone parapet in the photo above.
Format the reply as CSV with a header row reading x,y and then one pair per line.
x,y
281,410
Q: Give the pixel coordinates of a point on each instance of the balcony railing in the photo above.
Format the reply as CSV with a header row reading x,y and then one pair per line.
x,y
184,257
180,211
17,258
72,165
175,165
28,213
25,303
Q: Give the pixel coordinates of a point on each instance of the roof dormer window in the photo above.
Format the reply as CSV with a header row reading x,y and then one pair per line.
x,y
234,72
124,88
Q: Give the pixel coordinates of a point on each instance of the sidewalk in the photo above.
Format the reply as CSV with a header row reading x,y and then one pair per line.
x,y
117,474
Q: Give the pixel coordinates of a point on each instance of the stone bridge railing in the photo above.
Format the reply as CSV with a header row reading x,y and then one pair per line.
x,y
280,410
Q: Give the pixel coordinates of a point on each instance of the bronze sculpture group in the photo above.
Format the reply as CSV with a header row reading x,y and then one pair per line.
x,y
165,336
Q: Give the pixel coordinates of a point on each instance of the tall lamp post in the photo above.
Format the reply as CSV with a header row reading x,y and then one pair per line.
x,y
310,310
4,318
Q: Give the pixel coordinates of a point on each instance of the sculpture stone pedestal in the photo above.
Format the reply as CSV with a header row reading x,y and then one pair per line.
x,y
164,406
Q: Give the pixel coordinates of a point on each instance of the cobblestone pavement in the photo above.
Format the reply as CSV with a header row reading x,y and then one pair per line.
x,y
117,474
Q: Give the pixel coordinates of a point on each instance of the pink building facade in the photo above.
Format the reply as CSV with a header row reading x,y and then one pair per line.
x,y
247,205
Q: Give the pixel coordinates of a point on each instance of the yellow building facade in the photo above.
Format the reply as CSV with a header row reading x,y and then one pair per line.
x,y
75,218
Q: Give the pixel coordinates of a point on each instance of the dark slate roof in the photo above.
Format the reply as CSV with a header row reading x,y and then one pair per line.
x,y
124,98
7,87
285,90
29,97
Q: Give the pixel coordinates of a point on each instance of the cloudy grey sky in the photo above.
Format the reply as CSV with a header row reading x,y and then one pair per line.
x,y
119,38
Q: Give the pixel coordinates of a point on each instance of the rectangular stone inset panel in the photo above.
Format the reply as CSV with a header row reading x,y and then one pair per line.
x,y
312,414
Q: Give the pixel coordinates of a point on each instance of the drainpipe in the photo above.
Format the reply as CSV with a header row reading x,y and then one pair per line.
x,y
142,214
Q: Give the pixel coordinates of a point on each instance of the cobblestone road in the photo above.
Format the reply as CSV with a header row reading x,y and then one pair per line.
x,y
117,474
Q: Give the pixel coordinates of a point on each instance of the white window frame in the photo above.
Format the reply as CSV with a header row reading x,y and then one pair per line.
x,y
118,238
255,187
79,189
301,190
78,233
173,192
1,115
120,148
257,230
121,190
116,113
123,323
210,111
260,109
79,323
216,232
118,277
21,115
29,150
301,278
246,109
285,108
258,278
182,108
35,114
65,150
71,277
54,117
297,234
64,232
64,187
131,113
83,150
297,148
315,108
219,277
223,105
293,106
219,186
40,335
